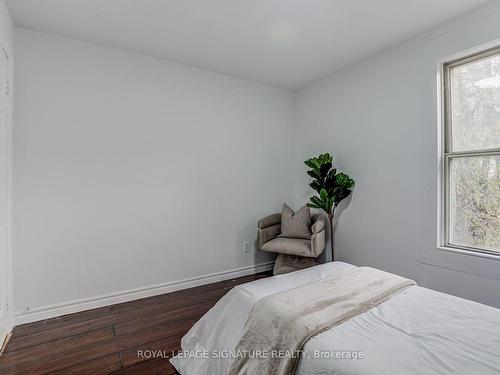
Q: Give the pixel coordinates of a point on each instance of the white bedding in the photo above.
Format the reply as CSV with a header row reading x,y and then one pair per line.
x,y
418,331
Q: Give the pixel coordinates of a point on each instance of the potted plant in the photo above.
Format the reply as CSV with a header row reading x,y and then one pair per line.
x,y
332,187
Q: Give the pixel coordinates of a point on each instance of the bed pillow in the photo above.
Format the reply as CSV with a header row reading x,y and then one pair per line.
x,y
296,225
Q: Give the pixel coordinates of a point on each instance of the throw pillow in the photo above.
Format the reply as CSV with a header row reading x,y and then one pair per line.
x,y
296,225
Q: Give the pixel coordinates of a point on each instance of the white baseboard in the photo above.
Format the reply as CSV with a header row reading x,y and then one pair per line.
x,y
6,325
4,340
71,307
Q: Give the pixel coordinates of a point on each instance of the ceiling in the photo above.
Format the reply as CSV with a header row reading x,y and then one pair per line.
x,y
286,43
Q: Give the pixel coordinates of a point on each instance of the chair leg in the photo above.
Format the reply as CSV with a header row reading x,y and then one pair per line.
x,y
289,263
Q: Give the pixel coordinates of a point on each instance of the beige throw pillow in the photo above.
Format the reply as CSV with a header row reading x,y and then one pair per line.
x,y
296,225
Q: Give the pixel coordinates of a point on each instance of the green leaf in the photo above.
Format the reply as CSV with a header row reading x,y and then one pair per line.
x,y
317,201
342,178
316,186
330,182
323,171
314,174
325,158
323,194
331,201
311,163
312,205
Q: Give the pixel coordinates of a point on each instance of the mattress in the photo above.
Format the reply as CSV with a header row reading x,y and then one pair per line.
x,y
418,331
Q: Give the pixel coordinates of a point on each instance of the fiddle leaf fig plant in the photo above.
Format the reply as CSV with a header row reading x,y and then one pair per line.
x,y
332,187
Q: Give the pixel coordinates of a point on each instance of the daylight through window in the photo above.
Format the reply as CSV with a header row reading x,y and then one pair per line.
x,y
472,152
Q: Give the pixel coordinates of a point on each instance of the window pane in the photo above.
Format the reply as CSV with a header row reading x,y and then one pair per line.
x,y
475,202
475,105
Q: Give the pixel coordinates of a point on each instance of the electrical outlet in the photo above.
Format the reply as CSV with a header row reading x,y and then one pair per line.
x,y
246,247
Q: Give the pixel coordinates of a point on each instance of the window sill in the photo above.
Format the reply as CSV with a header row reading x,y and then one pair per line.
x,y
469,252
471,262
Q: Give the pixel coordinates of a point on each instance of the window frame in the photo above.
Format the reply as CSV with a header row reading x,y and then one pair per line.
x,y
446,153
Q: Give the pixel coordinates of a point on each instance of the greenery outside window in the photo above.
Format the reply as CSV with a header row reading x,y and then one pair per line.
x,y
471,180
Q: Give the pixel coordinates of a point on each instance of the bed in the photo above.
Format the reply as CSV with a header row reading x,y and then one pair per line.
x,y
416,331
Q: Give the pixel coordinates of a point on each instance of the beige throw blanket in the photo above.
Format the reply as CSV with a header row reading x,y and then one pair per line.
x,y
285,321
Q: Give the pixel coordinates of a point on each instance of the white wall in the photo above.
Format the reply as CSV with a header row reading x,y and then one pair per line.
x,y
6,40
6,26
378,118
132,171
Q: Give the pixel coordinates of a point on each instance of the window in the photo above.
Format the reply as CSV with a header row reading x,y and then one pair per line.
x,y
471,157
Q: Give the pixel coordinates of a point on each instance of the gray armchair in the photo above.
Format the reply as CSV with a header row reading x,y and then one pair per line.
x,y
294,253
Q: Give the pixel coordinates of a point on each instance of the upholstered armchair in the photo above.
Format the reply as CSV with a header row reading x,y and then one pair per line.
x,y
294,253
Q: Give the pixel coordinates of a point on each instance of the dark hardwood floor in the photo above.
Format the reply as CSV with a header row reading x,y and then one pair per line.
x,y
107,340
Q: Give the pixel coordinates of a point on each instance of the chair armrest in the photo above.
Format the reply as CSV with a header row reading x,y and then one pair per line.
x,y
269,228
267,234
269,220
318,239
318,243
318,226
